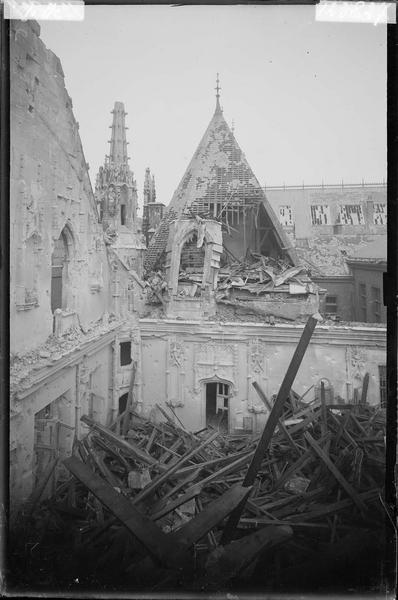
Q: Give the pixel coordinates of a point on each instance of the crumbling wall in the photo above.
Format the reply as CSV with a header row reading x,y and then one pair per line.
x,y
58,394
180,357
50,193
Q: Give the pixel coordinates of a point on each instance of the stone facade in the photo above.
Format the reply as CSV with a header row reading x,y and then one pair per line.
x,y
52,205
347,210
187,355
74,294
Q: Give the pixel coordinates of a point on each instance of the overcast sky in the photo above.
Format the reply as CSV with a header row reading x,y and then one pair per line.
x,y
308,99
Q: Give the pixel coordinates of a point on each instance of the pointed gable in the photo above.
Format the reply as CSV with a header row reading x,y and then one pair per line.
x,y
217,178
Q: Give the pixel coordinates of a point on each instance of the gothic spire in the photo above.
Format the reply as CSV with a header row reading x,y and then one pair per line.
x,y
149,187
118,143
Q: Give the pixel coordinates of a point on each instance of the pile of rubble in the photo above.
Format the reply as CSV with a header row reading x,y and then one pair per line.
x,y
260,274
152,505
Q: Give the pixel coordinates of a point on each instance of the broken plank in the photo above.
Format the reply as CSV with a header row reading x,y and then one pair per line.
x,y
155,541
280,422
128,447
335,472
158,513
239,554
211,516
273,418
365,386
151,487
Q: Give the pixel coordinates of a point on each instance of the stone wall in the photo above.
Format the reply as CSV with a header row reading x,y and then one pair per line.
x,y
58,393
343,289
179,357
50,199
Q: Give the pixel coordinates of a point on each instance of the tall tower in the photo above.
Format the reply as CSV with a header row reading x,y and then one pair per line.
x,y
116,196
115,189
152,211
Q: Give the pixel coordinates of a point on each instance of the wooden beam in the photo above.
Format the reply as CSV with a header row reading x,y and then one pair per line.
x,y
155,541
281,425
272,420
151,487
239,554
211,516
129,448
365,386
335,472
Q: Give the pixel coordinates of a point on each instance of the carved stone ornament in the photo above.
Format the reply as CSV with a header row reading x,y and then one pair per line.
x,y
177,354
257,356
357,361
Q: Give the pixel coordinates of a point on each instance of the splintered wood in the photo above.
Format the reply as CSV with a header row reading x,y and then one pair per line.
x,y
163,508
157,499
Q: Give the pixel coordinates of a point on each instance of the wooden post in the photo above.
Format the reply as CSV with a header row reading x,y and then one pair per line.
x,y
272,421
365,385
324,422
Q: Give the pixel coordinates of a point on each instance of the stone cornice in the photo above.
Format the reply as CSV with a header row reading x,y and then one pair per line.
x,y
279,333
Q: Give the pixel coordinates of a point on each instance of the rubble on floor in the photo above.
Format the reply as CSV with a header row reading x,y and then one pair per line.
x,y
259,274
143,504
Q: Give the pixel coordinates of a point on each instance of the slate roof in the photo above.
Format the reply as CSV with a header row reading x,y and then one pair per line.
x,y
218,172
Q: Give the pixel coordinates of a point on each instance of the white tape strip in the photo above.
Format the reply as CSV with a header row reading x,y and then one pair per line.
x,y
42,10
337,11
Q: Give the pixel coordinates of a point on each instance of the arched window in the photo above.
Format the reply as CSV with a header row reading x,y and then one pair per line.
x,y
59,271
192,258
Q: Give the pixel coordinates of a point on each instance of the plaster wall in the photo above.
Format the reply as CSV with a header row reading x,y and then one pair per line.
x,y
178,358
49,190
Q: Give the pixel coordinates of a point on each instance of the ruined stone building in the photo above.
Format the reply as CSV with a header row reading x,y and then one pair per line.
x,y
328,223
73,286
216,302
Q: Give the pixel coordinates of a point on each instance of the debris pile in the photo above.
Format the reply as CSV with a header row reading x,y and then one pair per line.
x,y
259,274
146,503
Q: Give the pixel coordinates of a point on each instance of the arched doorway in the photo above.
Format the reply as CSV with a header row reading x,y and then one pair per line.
x,y
217,405
58,272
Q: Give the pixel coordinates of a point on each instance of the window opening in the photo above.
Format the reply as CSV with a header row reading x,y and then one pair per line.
x,y
123,214
58,272
125,353
192,257
362,303
376,303
320,214
331,305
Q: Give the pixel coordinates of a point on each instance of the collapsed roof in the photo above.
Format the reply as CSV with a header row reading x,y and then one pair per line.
x,y
219,182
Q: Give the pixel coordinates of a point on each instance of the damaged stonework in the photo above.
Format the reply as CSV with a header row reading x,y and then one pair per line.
x,y
58,260
75,289
202,367
192,263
